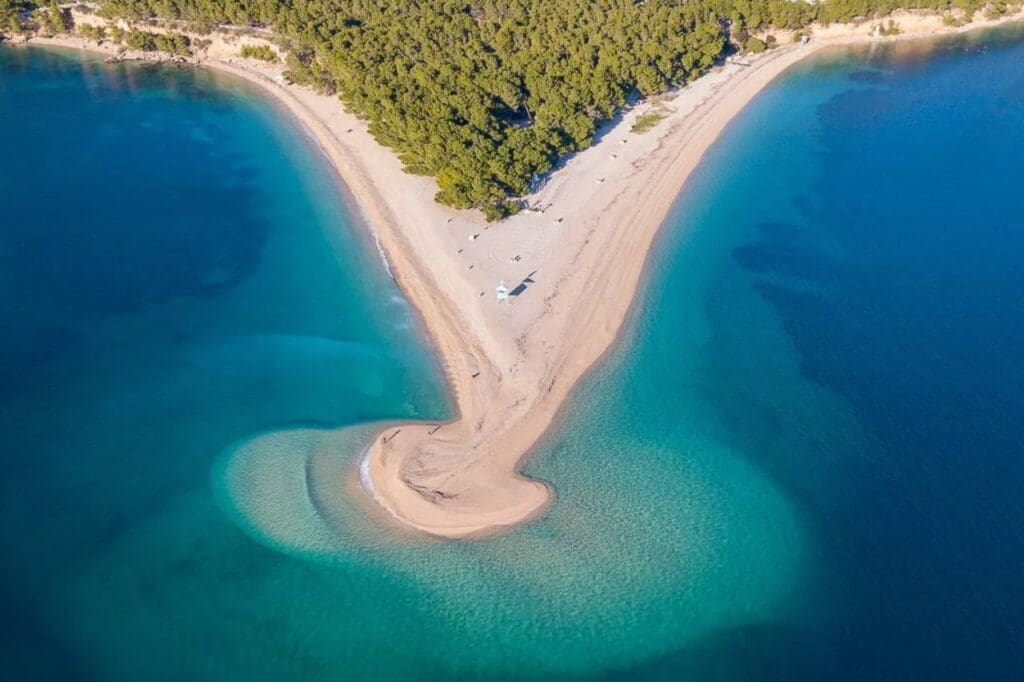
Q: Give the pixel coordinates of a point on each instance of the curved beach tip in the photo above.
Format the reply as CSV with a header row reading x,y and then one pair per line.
x,y
438,482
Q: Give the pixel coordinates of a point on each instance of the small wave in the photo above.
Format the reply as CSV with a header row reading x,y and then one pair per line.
x,y
364,472
380,249
366,481
365,219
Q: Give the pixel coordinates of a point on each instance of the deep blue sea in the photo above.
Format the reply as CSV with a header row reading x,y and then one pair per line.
x,y
803,461
857,242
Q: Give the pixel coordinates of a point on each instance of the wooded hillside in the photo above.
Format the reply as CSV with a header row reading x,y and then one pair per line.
x,y
485,95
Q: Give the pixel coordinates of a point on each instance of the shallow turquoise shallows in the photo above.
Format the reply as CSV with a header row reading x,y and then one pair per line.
x,y
802,462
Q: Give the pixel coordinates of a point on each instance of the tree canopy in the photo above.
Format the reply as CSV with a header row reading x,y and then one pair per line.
x,y
486,95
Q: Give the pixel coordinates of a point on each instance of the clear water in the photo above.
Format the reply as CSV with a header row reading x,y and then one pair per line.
x,y
178,273
801,463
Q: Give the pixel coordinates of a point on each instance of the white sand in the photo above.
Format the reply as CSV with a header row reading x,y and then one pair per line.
x,y
511,365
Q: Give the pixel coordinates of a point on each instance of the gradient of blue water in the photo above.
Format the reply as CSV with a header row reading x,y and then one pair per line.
x,y
898,279
868,209
178,272
801,463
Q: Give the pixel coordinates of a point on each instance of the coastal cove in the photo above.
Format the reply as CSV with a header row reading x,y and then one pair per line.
x,y
796,459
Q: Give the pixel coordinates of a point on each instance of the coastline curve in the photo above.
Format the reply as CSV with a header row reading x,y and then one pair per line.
x,y
578,259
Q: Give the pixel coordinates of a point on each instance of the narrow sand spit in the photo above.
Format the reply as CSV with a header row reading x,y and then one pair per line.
x,y
573,270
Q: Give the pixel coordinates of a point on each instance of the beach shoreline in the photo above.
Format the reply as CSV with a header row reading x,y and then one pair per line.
x,y
575,268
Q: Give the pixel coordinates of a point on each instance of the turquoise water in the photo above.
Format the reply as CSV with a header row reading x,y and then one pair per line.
x,y
178,273
800,463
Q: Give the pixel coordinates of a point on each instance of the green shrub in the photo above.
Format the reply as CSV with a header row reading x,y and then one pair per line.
x,y
892,29
262,52
55,19
755,45
12,21
91,32
501,210
996,10
649,119
140,40
172,43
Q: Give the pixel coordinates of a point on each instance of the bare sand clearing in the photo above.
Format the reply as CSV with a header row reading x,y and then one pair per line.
x,y
573,270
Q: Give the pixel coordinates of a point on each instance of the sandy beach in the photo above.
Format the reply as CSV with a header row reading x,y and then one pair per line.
x,y
573,266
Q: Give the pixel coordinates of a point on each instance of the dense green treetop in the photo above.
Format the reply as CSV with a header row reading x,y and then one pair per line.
x,y
485,95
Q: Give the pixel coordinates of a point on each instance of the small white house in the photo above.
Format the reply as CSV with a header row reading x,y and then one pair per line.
x,y
501,292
